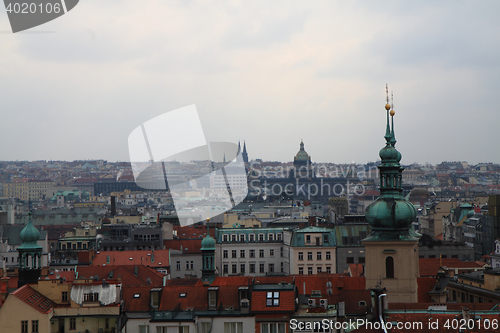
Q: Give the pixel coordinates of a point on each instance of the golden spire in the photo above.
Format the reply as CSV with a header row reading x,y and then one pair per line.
x,y
387,106
392,102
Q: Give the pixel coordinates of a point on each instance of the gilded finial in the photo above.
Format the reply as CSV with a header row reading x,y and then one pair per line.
x,y
387,106
392,113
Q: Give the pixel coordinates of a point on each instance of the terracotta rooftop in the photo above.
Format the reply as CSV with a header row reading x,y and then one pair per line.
x,y
158,258
430,266
34,299
125,273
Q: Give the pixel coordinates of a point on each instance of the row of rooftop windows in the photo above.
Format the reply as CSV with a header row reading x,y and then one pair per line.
x,y
252,237
319,256
252,268
251,253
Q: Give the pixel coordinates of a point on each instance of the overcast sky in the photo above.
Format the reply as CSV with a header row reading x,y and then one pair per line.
x,y
268,72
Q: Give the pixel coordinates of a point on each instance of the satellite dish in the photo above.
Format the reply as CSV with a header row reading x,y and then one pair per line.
x,y
329,291
328,284
58,276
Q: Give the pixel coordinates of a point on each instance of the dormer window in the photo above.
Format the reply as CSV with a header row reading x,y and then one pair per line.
x,y
212,297
273,298
155,297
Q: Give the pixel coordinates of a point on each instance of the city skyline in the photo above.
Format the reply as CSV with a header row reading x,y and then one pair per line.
x,y
269,74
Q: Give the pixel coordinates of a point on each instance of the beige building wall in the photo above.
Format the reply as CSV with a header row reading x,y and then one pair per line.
x,y
297,263
53,289
36,190
442,209
14,311
402,288
233,219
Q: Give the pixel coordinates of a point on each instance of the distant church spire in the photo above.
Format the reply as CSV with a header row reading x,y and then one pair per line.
x,y
245,154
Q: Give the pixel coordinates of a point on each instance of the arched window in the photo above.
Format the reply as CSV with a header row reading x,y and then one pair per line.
x,y
389,267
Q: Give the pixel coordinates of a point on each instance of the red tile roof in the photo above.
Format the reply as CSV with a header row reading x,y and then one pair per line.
x,y
34,299
143,257
273,279
131,303
194,297
286,301
125,273
339,283
193,231
187,245
430,266
425,285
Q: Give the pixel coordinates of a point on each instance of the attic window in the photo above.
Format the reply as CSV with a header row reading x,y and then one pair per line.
x,y
273,298
182,294
361,303
137,295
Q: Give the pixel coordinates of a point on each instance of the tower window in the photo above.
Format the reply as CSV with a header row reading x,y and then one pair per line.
x,y
389,267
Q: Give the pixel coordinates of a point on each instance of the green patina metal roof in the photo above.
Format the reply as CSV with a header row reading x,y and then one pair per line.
x,y
302,155
29,236
299,239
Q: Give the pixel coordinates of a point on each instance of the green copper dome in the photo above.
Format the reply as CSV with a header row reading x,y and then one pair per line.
x,y
390,216
208,243
29,235
390,153
302,155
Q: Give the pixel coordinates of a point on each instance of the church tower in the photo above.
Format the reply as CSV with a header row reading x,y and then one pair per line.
x,y
391,251
30,255
208,257
244,154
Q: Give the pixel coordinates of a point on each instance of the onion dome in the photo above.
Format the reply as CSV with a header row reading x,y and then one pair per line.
x,y
29,236
208,243
391,214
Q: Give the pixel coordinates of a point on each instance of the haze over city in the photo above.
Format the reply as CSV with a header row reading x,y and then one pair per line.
x,y
268,73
